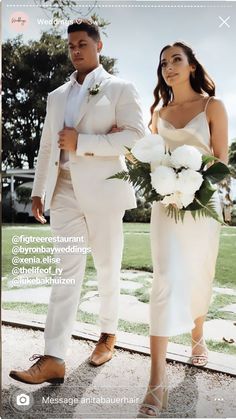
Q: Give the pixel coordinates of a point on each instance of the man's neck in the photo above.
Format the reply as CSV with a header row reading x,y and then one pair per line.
x,y
81,76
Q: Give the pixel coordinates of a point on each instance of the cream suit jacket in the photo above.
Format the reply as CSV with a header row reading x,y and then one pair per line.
x,y
99,154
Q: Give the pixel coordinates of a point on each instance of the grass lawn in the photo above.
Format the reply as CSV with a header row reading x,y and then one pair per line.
x,y
137,254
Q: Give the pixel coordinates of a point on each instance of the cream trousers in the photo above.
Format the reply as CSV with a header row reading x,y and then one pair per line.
x,y
103,233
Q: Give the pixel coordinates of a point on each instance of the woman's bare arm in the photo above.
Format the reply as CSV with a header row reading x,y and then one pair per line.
x,y
218,121
154,122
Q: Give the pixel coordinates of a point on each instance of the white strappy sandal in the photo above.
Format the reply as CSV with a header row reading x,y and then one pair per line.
x,y
202,359
156,410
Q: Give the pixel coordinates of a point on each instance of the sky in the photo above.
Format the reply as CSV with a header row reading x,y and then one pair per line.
x,y
139,29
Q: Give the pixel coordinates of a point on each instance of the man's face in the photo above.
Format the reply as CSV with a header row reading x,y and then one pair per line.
x,y
83,51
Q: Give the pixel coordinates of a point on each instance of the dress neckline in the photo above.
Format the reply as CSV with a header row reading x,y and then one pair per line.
x,y
188,123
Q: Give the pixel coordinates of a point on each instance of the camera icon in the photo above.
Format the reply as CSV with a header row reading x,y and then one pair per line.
x,y
22,400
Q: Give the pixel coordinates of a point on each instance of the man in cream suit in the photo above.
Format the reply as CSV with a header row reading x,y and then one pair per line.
x,y
90,121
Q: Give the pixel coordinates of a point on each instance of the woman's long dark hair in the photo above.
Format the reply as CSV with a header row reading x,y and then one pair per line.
x,y
201,82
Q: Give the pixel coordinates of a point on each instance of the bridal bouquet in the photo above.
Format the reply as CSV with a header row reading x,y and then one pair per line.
x,y
182,180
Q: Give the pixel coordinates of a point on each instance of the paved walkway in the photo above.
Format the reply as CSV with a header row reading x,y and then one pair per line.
x,y
131,309
113,390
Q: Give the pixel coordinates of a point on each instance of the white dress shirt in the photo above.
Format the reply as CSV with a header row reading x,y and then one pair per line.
x,y
74,100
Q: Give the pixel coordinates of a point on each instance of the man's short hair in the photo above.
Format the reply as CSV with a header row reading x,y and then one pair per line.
x,y
85,25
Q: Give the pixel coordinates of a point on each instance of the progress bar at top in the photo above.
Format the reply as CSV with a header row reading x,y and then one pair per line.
x,y
142,3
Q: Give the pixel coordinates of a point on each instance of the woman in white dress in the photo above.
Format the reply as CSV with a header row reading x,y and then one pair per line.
x,y
184,254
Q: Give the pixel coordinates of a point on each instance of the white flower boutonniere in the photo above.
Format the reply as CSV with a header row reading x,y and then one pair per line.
x,y
94,90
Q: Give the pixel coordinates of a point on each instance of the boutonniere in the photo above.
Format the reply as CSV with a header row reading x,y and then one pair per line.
x,y
94,90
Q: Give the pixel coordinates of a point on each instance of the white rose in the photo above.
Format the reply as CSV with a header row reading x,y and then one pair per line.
x,y
189,181
164,180
179,199
186,156
150,148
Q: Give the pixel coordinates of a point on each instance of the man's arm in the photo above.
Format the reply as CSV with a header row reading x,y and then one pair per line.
x,y
41,171
128,117
37,209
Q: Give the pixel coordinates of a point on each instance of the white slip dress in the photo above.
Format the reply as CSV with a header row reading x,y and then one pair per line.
x,y
184,253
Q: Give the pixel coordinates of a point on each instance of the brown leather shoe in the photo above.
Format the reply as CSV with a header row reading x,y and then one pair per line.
x,y
104,349
45,369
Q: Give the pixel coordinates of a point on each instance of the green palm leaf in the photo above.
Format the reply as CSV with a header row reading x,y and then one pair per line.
x,y
216,172
138,175
207,210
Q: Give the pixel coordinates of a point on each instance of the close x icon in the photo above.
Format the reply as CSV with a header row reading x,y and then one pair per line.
x,y
224,21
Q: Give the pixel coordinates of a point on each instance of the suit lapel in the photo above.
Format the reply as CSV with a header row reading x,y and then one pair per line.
x,y
102,79
61,102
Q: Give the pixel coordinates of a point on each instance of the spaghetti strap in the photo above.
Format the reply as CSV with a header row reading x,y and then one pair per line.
x,y
156,110
208,100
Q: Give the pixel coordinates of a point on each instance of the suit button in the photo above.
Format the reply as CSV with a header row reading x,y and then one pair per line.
x,y
56,163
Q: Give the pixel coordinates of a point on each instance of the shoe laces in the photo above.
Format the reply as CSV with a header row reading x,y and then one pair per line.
x,y
40,359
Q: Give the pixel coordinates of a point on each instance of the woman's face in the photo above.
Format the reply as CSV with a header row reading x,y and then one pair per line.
x,y
175,66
